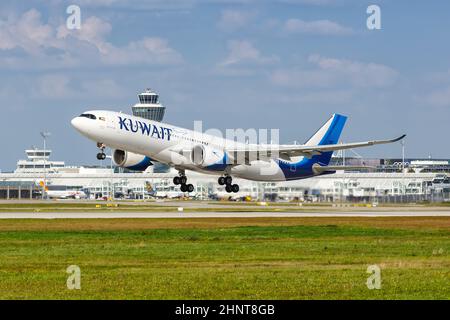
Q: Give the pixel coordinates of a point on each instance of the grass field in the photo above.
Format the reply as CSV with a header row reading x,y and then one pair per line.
x,y
259,258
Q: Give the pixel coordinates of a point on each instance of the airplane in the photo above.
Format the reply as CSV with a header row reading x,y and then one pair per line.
x,y
65,194
226,195
172,194
169,194
137,143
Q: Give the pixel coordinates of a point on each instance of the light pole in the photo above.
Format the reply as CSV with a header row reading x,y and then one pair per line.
x,y
403,154
111,182
45,135
403,169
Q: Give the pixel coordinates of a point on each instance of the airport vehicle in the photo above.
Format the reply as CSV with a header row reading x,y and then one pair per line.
x,y
138,142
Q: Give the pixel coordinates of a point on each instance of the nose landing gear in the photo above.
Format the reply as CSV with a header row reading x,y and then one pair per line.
x,y
228,182
101,155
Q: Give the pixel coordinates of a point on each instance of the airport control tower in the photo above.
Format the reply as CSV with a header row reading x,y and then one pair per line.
x,y
149,106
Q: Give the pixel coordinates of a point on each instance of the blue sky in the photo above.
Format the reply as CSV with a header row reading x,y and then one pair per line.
x,y
284,64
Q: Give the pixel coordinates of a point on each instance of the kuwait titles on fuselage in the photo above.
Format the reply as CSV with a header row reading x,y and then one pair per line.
x,y
145,128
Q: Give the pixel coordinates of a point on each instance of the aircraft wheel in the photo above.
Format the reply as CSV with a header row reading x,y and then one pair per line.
x,y
101,156
235,188
183,179
221,181
229,188
176,181
190,188
183,188
228,180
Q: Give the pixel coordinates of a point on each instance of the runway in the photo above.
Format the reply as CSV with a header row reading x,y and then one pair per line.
x,y
178,215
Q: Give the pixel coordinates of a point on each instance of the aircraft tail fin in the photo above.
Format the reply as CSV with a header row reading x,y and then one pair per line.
x,y
329,133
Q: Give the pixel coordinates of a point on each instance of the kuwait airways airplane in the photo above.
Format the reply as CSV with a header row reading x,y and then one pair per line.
x,y
138,142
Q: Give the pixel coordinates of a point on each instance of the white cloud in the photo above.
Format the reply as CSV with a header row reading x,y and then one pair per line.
x,y
133,4
359,73
50,46
93,30
317,27
27,32
232,20
332,72
243,52
59,86
146,51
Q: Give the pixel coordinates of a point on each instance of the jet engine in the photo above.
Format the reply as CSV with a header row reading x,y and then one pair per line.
x,y
203,156
131,161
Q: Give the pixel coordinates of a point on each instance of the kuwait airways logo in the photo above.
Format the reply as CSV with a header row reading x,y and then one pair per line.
x,y
157,132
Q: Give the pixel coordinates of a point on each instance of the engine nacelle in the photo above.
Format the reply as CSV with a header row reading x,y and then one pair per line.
x,y
203,156
131,161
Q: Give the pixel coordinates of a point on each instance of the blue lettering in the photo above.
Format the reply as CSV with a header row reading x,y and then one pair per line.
x,y
133,127
145,128
155,130
123,124
169,132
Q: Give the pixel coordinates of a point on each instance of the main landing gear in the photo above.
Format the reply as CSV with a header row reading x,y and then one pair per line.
x,y
101,155
182,180
228,182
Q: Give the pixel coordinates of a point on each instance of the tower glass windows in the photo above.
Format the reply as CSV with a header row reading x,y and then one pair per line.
x,y
149,106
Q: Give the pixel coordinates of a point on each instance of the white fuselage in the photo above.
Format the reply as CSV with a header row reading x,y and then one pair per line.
x,y
64,194
139,142
169,144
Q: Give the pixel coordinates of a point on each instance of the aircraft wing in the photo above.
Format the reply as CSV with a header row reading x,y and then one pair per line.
x,y
287,151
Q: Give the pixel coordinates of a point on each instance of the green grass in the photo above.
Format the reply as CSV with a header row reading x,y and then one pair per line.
x,y
313,259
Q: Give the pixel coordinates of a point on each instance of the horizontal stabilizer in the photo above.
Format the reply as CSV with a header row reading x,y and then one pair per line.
x,y
320,169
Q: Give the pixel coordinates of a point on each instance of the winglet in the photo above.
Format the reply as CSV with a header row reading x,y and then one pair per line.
x,y
399,138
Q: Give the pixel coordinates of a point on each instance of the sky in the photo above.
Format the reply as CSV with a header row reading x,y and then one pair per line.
x,y
283,64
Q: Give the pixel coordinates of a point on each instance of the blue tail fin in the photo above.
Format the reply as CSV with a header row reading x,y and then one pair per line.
x,y
329,133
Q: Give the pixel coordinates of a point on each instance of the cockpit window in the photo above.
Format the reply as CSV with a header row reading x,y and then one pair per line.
x,y
89,116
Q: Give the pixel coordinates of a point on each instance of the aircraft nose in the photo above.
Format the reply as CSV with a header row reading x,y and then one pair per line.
x,y
76,123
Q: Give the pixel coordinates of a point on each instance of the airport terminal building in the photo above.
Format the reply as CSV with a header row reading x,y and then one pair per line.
x,y
420,180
